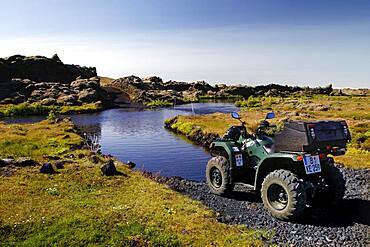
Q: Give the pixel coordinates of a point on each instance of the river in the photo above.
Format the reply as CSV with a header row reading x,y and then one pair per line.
x,y
139,136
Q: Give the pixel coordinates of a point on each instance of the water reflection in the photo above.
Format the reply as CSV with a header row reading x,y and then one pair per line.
x,y
139,136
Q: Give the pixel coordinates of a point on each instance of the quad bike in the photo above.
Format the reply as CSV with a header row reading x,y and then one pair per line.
x,y
292,171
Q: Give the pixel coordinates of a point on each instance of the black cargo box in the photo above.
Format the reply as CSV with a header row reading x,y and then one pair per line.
x,y
304,136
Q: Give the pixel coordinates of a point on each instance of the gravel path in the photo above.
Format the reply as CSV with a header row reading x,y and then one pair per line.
x,y
346,225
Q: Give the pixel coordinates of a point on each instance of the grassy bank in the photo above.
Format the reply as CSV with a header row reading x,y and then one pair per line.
x,y
26,109
37,140
78,206
355,110
158,104
217,97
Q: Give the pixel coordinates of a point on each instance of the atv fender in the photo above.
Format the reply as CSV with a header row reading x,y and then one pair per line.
x,y
225,146
276,161
231,150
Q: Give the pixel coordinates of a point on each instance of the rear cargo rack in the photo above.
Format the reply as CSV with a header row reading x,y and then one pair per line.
x,y
312,136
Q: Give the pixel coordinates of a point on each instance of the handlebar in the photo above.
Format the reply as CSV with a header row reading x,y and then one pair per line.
x,y
260,129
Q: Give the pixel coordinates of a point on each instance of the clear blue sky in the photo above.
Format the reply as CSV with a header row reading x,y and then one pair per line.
x,y
229,41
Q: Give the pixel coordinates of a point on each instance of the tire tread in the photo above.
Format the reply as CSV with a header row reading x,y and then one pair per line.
x,y
223,165
297,194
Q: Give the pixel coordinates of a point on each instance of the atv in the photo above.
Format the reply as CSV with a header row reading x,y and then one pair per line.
x,y
291,171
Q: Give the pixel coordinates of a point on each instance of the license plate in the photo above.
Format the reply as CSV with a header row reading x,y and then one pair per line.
x,y
312,164
239,159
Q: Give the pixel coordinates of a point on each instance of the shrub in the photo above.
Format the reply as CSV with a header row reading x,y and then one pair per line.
x,y
52,116
250,102
183,127
158,103
26,109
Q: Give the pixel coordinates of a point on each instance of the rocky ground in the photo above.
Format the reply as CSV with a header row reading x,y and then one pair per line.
x,y
49,82
41,69
153,88
345,225
77,92
38,79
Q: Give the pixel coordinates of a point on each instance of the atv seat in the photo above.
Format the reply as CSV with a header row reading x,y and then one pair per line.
x,y
234,132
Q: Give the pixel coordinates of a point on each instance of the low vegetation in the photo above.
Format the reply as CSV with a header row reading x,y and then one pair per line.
x,y
158,103
27,109
250,102
37,140
78,206
104,81
354,109
220,97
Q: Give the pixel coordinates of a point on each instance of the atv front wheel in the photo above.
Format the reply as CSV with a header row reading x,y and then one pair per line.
x,y
283,195
218,175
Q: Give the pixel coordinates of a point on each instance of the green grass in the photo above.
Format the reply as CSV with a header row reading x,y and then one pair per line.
x,y
185,128
80,207
250,102
231,97
26,109
85,108
354,109
37,140
355,158
259,101
158,103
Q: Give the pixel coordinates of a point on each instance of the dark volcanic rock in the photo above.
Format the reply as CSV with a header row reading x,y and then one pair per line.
x,y
47,168
56,58
6,162
54,93
39,68
48,101
131,164
81,156
176,86
25,162
109,169
59,164
51,82
94,159
202,86
148,89
153,88
153,81
67,99
88,96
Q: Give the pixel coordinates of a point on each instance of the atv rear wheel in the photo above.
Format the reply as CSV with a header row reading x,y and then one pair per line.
x,y
218,175
336,188
283,195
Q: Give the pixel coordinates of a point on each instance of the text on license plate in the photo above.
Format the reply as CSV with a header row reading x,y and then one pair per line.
x,y
239,159
311,163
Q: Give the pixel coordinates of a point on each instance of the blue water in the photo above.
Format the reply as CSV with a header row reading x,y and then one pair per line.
x,y
139,136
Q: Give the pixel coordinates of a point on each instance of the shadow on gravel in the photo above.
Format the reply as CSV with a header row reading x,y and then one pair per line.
x,y
350,211
243,196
